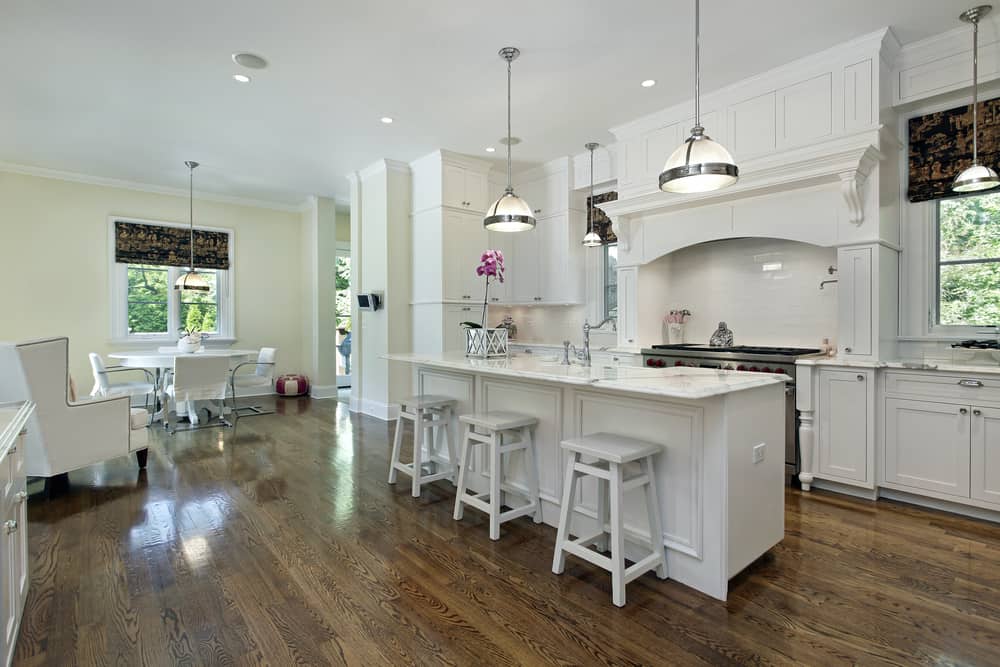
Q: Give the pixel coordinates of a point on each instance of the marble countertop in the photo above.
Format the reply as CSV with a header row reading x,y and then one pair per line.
x,y
678,382
13,417
928,364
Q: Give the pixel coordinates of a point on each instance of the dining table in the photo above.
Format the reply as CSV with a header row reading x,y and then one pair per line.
x,y
161,359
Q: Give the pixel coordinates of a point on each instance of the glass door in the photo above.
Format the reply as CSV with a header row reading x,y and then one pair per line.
x,y
343,315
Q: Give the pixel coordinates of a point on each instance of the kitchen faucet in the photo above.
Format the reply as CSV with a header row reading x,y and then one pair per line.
x,y
586,336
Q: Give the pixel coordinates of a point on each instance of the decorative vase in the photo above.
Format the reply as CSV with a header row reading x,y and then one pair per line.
x,y
486,343
188,344
675,332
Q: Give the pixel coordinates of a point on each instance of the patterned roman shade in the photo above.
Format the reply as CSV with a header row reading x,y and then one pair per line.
x,y
602,224
941,147
137,243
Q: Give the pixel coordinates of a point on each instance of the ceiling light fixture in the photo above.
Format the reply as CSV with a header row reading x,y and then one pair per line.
x,y
592,239
242,78
648,83
490,149
699,164
509,213
386,120
249,60
191,280
977,177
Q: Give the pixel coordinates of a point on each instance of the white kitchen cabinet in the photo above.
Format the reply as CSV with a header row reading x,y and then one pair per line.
x,y
846,425
985,455
524,267
855,314
628,318
464,240
502,241
454,334
464,188
927,445
14,578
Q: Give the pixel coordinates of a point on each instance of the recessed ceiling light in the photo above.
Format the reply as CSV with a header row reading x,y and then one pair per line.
x,y
250,60
242,78
490,149
386,120
648,83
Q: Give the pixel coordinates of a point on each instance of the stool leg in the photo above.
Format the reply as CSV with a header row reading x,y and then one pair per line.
x,y
655,527
463,466
565,513
418,445
496,475
531,464
603,487
617,536
451,445
397,439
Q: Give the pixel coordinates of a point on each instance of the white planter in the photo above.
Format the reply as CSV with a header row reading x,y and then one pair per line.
x,y
675,331
486,343
189,344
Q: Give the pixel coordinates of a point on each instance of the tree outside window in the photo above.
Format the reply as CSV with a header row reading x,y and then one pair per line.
x,y
968,259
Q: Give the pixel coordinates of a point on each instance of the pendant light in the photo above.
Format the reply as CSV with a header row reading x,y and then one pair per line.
x,y
509,213
592,238
192,280
699,164
977,177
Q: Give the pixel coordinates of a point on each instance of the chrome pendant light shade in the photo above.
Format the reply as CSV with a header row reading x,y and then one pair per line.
x,y
192,280
699,164
592,239
509,213
977,177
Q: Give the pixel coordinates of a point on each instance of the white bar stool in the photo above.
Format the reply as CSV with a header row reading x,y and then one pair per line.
x,y
498,427
612,453
431,416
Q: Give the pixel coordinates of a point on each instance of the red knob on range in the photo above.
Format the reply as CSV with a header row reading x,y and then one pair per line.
x,y
766,369
650,362
779,371
741,367
678,363
754,369
661,363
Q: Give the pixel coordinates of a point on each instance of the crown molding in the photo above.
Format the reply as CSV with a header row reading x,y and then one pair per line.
x,y
379,166
87,179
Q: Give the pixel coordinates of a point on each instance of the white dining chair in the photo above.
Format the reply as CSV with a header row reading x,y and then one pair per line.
x,y
104,387
251,383
197,377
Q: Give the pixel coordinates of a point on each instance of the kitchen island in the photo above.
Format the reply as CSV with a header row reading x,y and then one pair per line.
x,y
720,475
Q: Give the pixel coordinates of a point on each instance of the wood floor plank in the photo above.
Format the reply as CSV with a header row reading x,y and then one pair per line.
x,y
280,543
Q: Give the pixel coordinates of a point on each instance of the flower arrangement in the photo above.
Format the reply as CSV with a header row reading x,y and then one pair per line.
x,y
677,316
491,267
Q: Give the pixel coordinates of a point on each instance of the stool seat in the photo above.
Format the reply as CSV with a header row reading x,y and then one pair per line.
x,y
427,401
612,448
498,421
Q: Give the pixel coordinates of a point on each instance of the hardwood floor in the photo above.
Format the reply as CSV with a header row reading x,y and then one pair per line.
x,y
281,543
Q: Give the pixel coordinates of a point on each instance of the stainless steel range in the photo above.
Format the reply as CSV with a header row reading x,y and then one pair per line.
x,y
752,359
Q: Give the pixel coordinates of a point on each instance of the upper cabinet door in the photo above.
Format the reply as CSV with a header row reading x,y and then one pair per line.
x,y
500,292
927,445
845,424
476,189
464,242
524,267
855,301
453,186
986,454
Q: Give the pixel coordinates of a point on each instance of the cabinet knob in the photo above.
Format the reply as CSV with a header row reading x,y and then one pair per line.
x,y
537,210
10,526
861,378
847,350
20,497
970,383
977,412
963,411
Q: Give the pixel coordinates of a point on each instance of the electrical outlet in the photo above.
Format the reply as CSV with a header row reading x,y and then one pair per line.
x,y
759,451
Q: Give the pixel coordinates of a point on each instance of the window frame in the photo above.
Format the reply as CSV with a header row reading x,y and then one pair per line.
x,y
605,284
935,327
118,283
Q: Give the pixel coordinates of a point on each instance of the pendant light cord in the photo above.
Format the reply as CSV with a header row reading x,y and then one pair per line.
x,y
191,209
697,63
510,187
975,92
590,208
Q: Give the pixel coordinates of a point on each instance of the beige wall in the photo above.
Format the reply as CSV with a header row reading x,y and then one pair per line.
x,y
54,265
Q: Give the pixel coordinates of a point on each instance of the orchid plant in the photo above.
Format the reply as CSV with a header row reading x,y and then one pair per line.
x,y
491,267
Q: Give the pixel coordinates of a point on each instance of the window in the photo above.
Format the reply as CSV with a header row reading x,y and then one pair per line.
x,y
145,305
611,280
968,261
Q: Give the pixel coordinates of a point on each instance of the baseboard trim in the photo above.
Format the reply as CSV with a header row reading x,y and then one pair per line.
x,y
845,489
937,504
323,391
378,410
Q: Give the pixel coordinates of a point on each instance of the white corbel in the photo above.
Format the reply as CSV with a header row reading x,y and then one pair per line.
x,y
851,182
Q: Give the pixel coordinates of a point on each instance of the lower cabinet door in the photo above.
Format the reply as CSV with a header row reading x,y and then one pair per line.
x,y
454,334
985,468
8,583
845,424
927,445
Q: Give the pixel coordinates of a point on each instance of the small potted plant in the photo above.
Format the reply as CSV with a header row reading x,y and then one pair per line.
x,y
190,340
479,340
675,321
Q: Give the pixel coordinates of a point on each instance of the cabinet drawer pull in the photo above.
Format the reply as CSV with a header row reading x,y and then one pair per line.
x,y
466,309
847,350
10,526
977,412
970,383
537,210
861,378
20,497
963,411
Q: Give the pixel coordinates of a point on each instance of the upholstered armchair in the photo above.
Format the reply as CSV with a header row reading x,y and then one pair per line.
x,y
64,435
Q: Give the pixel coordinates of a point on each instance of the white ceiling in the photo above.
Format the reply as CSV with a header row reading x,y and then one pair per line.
x,y
129,90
